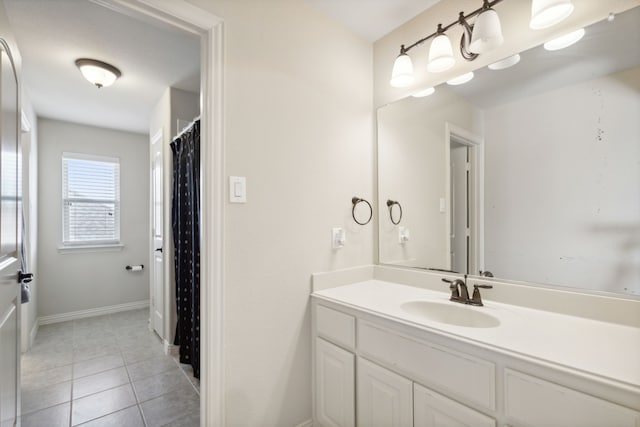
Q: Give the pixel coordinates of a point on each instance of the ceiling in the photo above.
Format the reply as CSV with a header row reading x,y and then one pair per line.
x,y
372,19
52,34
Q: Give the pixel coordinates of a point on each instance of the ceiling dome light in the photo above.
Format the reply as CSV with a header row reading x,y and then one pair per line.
x,y
487,32
402,73
440,54
422,93
565,40
546,13
507,62
461,79
97,72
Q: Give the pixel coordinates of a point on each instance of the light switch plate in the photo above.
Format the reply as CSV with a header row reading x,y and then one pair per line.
x,y
237,189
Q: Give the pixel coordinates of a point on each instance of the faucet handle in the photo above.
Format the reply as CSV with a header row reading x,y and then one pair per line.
x,y
453,286
477,299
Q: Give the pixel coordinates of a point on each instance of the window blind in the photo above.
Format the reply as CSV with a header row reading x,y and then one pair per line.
x,y
90,199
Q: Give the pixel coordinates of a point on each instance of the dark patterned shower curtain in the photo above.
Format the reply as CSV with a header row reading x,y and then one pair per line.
x,y
186,241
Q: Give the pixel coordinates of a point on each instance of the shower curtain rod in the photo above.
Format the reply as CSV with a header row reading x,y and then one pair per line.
x,y
186,128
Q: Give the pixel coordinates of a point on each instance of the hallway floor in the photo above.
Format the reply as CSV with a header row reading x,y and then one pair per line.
x,y
105,371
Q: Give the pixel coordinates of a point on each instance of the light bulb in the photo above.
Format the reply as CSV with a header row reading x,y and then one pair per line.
x,y
440,54
402,73
565,40
487,32
546,13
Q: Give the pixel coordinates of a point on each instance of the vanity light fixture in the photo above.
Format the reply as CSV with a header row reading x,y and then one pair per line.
x,y
481,37
97,72
565,40
440,53
424,92
546,13
402,74
460,80
507,62
487,31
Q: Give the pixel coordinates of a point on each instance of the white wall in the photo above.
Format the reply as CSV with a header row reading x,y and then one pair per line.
x,y
173,105
84,280
298,125
562,201
412,170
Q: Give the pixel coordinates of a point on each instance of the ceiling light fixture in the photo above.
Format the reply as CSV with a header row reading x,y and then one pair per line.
x,y
507,62
565,40
97,72
460,80
481,37
424,92
546,13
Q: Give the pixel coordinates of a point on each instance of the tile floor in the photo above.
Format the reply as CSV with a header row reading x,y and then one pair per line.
x,y
105,371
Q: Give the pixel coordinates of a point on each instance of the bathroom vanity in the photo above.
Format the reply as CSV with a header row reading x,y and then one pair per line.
x,y
391,354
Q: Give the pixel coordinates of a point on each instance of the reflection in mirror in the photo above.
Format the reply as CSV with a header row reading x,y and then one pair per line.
x,y
531,172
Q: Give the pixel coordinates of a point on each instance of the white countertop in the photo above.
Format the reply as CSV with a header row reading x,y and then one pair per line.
x,y
606,350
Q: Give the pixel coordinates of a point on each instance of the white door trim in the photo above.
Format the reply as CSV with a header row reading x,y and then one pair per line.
x,y
209,27
476,143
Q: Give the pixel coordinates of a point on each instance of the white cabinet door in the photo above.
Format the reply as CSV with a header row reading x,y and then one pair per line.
x,y
533,402
335,386
431,409
385,399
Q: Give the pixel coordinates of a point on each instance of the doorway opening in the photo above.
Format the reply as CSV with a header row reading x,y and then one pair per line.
x,y
464,198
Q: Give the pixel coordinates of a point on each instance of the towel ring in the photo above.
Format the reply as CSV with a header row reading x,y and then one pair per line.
x,y
355,201
390,204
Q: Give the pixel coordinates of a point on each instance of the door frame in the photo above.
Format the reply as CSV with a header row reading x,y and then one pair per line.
x,y
210,29
476,199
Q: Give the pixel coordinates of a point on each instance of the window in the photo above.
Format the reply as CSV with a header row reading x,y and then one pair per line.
x,y
90,200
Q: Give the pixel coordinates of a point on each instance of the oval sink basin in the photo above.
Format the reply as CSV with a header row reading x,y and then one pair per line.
x,y
451,314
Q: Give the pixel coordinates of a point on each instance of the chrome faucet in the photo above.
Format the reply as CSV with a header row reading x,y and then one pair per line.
x,y
460,293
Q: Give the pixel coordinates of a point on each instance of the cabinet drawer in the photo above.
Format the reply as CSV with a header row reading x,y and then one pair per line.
x,y
431,409
531,401
459,374
335,326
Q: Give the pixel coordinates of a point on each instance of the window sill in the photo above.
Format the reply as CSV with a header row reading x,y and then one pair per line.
x,y
111,247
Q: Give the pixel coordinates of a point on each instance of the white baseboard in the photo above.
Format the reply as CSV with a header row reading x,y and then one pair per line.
x,y
170,349
308,423
92,312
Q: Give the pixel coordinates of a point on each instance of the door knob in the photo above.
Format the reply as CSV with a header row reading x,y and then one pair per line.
x,y
24,277
159,250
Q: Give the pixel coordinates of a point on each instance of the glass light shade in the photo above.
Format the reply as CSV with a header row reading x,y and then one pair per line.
x,y
98,73
402,74
546,13
422,93
565,40
440,54
507,62
487,32
461,79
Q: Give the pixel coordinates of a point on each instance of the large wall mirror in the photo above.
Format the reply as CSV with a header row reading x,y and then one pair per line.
x,y
530,172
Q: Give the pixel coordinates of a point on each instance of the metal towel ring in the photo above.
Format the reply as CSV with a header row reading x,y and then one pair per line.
x,y
390,204
355,201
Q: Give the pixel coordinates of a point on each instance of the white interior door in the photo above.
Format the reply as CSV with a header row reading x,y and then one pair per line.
x,y
9,243
157,271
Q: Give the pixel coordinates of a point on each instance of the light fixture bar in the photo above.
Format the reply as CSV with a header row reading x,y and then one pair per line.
x,y
461,19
